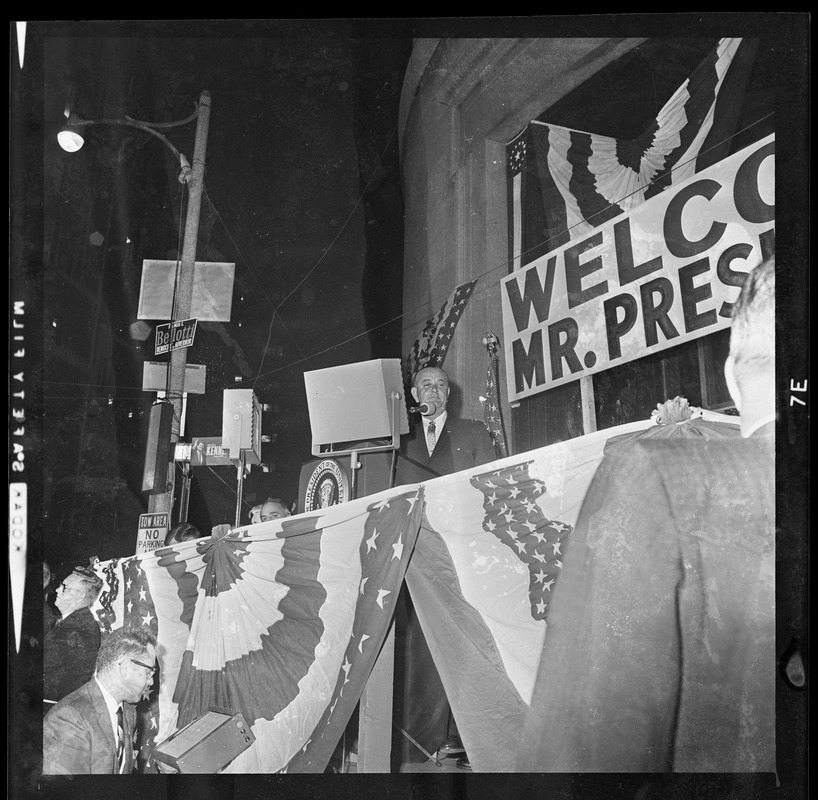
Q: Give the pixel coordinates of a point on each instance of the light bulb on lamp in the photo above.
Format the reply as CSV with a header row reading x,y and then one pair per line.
x,y
69,137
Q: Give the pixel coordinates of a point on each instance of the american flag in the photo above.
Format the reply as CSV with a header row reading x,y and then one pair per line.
x,y
516,155
429,349
587,179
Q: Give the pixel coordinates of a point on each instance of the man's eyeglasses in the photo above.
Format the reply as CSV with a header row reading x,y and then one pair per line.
x,y
151,670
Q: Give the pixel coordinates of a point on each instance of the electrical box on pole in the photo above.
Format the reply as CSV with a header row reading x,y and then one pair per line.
x,y
241,426
157,455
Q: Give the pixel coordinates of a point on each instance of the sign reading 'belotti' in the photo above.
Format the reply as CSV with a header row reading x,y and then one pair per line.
x,y
665,273
175,335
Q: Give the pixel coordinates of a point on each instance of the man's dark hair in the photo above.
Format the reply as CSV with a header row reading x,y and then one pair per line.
x,y
91,582
427,366
125,641
183,532
281,501
285,505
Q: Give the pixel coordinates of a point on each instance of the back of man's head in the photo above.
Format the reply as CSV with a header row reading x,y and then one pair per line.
x,y
750,367
123,642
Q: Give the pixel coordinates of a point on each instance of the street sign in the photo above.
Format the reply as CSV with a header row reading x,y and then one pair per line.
x,y
174,335
153,528
155,377
212,290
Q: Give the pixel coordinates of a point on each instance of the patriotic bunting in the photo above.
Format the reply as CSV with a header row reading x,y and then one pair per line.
x,y
587,179
283,620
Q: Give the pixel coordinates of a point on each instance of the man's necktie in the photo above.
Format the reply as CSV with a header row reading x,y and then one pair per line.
x,y
430,437
120,739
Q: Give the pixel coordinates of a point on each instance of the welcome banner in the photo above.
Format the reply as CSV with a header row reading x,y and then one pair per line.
x,y
666,273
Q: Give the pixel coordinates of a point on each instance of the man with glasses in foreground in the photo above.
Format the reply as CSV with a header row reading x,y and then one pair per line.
x,y
70,645
91,731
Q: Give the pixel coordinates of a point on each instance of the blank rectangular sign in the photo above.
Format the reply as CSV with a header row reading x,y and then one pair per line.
x,y
354,401
212,290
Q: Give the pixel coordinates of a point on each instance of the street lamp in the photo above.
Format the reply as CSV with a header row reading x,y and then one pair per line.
x,y
71,139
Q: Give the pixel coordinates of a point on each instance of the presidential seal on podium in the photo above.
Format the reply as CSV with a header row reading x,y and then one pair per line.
x,y
327,486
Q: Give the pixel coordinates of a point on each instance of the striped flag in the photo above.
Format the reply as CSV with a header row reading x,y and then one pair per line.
x,y
492,416
587,179
281,621
430,348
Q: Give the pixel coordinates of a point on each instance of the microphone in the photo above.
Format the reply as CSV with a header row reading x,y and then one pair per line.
x,y
423,409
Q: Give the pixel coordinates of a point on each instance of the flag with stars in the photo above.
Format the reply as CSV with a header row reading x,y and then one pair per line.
x,y
281,621
430,348
486,561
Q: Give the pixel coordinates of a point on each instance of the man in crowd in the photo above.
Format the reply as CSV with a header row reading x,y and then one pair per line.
x,y
71,643
274,508
660,649
183,532
91,731
442,444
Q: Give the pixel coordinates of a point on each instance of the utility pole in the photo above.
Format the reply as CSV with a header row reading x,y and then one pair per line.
x,y
184,296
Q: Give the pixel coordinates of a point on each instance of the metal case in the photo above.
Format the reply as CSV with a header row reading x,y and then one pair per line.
x,y
207,744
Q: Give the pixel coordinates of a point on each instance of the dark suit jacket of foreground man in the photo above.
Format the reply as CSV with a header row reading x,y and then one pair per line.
x,y
78,738
660,649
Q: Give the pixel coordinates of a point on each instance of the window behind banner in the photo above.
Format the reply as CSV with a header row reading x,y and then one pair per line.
x,y
621,101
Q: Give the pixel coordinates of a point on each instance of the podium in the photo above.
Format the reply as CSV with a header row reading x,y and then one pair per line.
x,y
326,480
358,410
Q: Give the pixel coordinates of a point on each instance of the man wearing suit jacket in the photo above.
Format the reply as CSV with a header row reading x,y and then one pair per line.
x,y
453,445
70,645
660,649
459,443
91,731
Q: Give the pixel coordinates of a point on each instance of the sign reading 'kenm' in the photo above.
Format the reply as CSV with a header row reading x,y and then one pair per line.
x,y
666,273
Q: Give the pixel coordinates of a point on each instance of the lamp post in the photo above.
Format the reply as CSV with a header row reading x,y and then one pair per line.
x,y
70,139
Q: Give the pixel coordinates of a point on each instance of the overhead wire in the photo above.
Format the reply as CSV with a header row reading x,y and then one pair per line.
x,y
312,269
504,264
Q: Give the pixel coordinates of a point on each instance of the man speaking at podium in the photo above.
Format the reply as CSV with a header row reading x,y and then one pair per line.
x,y
443,444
